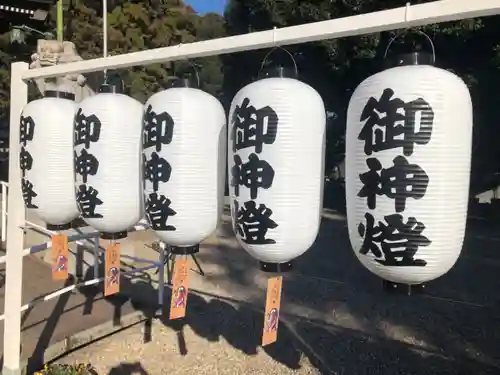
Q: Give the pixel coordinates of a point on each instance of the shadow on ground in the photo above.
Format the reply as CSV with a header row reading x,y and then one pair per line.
x,y
450,329
336,314
128,369
330,348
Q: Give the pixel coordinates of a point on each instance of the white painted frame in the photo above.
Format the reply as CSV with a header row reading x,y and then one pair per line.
x,y
404,17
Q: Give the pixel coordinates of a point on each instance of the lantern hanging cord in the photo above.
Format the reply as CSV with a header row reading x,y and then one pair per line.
x,y
287,52
274,49
105,32
407,11
415,31
197,75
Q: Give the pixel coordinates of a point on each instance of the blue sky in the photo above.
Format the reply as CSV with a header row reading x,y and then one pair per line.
x,y
204,6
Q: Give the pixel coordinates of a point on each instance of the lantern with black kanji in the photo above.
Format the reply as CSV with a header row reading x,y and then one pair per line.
x,y
276,167
46,158
408,153
107,152
184,156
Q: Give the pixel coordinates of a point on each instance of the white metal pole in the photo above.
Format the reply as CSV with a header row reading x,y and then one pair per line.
x,y
96,257
390,19
105,31
161,276
4,212
15,233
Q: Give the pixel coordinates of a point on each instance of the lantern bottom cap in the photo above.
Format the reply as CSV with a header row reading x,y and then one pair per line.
x,y
184,250
113,236
402,288
276,267
58,227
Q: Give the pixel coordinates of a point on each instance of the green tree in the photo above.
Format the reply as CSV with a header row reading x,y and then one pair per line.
x,y
210,26
132,26
335,67
146,25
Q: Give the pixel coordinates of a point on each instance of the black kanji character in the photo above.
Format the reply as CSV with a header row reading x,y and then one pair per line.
x,y
86,164
158,211
87,199
25,161
156,170
399,182
158,129
253,127
28,193
27,130
252,223
391,123
396,240
371,182
87,129
253,174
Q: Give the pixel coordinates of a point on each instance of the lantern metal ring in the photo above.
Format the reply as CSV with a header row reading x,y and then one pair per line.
x,y
193,66
415,31
195,70
285,50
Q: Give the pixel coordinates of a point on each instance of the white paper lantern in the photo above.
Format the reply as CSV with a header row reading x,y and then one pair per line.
x,y
184,156
276,169
107,151
408,152
46,158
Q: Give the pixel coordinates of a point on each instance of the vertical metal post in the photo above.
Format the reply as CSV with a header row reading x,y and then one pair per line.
x,y
105,32
97,257
15,234
60,21
4,212
161,274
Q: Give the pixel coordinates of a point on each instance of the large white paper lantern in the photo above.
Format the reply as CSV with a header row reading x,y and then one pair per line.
x,y
276,168
107,152
46,158
408,153
184,156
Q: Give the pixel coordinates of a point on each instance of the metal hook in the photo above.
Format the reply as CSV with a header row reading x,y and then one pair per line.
x,y
415,31
195,72
407,11
281,48
193,67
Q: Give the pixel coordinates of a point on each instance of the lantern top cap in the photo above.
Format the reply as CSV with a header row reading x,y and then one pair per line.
x,y
111,88
414,58
59,94
113,84
278,72
185,81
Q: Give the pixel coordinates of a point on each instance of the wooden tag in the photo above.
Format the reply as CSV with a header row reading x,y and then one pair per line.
x,y
273,303
112,270
60,254
180,288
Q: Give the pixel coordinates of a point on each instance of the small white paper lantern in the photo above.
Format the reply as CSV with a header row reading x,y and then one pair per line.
x,y
184,156
276,147
408,153
46,158
107,151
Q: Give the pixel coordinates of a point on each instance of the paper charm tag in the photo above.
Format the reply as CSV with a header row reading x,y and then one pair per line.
x,y
271,317
112,270
180,288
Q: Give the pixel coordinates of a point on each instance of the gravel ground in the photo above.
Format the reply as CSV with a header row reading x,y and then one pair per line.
x,y
336,319
173,353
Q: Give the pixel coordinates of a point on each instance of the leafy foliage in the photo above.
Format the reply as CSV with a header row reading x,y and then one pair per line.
x,y
63,369
335,67
132,26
